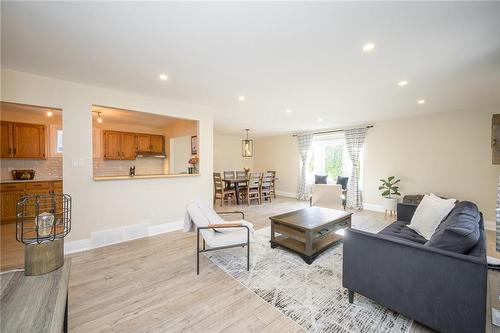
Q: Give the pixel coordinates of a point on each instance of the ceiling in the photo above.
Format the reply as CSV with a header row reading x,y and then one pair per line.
x,y
301,56
24,108
128,117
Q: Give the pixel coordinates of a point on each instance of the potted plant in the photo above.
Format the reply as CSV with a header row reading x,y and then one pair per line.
x,y
389,190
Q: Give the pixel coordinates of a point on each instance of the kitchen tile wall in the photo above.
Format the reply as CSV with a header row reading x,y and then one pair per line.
x,y
143,166
48,169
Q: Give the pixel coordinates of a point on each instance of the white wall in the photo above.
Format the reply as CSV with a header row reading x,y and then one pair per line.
x,y
227,154
279,153
446,153
99,205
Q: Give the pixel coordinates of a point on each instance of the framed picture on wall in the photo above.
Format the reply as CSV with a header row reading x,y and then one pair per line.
x,y
194,145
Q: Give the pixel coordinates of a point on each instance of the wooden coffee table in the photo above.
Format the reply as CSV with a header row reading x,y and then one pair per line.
x,y
308,231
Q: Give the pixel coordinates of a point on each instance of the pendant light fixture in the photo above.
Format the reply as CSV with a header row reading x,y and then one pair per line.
x,y
247,146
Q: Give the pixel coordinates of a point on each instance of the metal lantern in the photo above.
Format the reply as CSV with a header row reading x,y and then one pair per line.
x,y
247,146
42,222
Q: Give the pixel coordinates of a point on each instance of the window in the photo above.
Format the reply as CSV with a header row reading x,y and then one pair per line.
x,y
330,158
59,140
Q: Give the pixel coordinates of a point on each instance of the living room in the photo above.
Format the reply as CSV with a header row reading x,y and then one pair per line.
x,y
289,99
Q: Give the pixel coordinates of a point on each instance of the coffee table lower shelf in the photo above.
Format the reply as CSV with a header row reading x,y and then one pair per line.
x,y
319,245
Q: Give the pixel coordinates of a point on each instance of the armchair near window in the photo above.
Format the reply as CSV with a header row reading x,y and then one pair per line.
x,y
215,232
326,195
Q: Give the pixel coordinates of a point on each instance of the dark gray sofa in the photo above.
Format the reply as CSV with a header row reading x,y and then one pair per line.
x,y
441,289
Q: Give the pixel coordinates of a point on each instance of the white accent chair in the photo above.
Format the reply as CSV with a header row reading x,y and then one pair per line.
x,y
215,232
327,196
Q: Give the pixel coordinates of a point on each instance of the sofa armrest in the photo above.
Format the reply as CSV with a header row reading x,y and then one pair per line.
x,y
442,289
406,211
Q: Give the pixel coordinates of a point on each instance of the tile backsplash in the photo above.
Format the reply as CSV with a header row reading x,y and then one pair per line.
x,y
143,166
51,168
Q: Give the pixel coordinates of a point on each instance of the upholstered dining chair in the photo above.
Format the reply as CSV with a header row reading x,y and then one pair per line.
x,y
273,182
265,187
216,233
253,188
220,191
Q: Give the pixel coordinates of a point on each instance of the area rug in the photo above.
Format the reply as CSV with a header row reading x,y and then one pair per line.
x,y
311,295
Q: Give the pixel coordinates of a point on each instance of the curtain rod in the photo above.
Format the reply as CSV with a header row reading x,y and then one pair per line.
x,y
332,131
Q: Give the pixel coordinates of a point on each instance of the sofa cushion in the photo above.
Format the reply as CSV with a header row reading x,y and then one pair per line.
x,y
399,229
320,179
459,231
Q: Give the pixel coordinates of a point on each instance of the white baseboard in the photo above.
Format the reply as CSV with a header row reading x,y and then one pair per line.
x,y
286,194
152,230
158,229
490,225
373,207
77,246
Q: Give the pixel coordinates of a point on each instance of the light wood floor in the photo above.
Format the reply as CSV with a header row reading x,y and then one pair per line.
x,y
150,284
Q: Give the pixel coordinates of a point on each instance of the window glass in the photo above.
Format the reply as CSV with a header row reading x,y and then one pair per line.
x,y
59,141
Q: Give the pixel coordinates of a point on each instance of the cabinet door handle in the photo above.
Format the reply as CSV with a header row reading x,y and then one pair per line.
x,y
10,186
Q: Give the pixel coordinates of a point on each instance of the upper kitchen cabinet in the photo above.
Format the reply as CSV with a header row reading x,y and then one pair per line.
x,y
23,140
6,141
119,145
150,143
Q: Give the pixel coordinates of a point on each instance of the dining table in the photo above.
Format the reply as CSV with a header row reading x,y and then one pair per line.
x,y
236,182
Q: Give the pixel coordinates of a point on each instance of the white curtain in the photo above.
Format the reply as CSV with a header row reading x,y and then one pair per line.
x,y
354,140
304,141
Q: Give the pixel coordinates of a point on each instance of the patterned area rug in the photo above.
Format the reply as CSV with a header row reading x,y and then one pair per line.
x,y
311,295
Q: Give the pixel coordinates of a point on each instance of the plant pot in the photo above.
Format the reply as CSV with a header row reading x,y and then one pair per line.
x,y
390,204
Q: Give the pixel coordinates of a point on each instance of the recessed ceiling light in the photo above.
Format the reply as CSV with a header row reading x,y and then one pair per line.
x,y
241,98
368,47
421,101
402,83
163,77
320,120
288,111
49,113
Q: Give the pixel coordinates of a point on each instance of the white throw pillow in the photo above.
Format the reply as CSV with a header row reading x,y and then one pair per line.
x,y
429,213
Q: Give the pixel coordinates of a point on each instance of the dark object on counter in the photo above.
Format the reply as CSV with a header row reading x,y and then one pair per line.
x,y
413,199
131,171
23,174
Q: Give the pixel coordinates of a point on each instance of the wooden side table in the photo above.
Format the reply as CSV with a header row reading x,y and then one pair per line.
x,y
35,303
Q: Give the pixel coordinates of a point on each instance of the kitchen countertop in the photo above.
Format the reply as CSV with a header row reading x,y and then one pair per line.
x,y
5,181
98,178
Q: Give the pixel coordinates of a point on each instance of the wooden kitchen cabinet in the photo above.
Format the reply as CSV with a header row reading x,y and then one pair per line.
x,y
6,141
128,146
119,145
23,140
151,143
495,139
12,192
157,144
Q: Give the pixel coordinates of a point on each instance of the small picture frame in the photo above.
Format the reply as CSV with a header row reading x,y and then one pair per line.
x,y
194,145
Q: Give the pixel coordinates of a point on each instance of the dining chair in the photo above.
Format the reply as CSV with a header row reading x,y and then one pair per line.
x,y
265,187
273,189
253,188
220,192
229,175
242,186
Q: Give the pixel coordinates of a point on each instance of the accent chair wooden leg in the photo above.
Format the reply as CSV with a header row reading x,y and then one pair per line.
x,y
351,296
